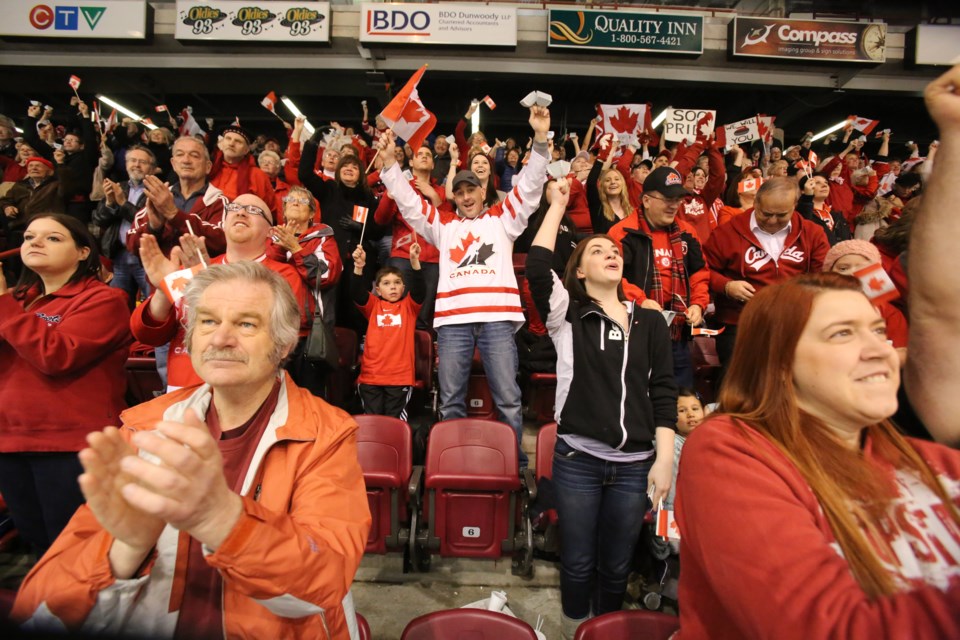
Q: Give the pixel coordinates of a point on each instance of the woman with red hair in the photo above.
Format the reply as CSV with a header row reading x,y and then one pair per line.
x,y
804,512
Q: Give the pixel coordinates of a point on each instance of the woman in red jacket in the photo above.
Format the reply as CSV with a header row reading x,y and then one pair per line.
x,y
64,337
804,512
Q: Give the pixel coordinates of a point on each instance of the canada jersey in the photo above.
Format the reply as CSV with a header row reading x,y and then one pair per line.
x,y
388,357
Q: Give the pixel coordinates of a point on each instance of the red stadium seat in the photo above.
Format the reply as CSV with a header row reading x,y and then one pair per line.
x,y
479,398
541,396
143,381
472,485
546,440
340,382
468,624
706,367
635,623
364,628
545,524
423,364
385,451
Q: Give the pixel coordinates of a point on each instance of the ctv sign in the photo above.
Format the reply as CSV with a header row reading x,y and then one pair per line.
x,y
446,24
65,19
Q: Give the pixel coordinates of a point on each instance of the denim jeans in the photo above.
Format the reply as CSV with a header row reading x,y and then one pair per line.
x,y
682,364
131,278
600,506
498,351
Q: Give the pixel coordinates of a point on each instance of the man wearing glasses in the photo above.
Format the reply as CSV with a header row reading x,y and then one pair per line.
x,y
663,261
247,224
752,251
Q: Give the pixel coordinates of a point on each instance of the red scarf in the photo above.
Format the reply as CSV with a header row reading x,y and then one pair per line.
x,y
243,170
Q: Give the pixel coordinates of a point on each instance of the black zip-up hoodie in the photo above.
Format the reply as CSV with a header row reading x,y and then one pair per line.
x,y
612,386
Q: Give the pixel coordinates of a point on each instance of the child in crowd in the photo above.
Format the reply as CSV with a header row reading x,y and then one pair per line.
x,y
690,414
387,373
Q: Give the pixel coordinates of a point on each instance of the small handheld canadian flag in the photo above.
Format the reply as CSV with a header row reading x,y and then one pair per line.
x,y
161,108
752,184
877,284
666,525
703,331
360,214
270,102
489,102
174,284
74,82
863,125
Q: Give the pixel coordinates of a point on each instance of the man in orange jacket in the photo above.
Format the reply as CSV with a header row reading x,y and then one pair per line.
x,y
234,509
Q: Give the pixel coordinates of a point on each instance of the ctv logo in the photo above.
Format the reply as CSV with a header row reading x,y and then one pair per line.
x,y
64,18
397,22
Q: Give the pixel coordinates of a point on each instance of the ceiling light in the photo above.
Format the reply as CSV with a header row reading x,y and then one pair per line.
x,y
296,113
125,111
660,118
826,132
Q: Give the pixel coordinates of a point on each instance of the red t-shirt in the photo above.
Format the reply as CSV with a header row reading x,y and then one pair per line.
x,y
201,614
663,261
388,357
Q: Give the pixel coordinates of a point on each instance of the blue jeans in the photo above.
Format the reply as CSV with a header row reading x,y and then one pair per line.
x,y
682,364
131,278
600,506
498,351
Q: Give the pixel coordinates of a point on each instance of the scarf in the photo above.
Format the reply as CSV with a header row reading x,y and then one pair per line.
x,y
679,301
243,171
824,215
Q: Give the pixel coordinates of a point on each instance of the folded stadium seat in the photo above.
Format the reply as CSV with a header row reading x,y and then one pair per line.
x,y
474,495
472,624
479,399
340,382
706,367
541,397
143,381
363,628
541,513
632,623
385,451
423,368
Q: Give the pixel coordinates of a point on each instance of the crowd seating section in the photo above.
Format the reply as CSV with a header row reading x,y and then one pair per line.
x,y
632,623
468,624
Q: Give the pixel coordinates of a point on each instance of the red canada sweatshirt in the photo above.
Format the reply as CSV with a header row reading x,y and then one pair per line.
x,y
760,559
734,253
62,372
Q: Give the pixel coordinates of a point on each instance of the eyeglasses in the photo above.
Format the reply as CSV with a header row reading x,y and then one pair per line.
x,y
670,202
304,201
251,209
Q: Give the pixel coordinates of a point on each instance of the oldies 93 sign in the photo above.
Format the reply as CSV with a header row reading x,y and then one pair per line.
x,y
253,22
809,39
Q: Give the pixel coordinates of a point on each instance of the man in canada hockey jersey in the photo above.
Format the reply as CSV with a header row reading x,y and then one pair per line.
x,y
478,302
762,246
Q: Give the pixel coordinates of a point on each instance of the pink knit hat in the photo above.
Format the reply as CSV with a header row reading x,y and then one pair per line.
x,y
850,247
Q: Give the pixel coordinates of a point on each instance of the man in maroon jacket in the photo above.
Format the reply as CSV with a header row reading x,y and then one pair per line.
x,y
765,245
190,206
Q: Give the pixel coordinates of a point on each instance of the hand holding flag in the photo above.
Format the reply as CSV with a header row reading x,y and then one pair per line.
x,y
74,83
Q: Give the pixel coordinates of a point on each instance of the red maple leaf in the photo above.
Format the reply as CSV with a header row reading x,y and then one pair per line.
x,y
876,284
624,121
412,112
179,284
703,123
457,253
386,320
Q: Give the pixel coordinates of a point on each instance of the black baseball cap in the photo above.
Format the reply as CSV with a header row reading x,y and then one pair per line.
x,y
466,176
666,181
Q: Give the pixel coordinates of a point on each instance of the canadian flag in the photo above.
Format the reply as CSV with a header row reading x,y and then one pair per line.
x,y
628,122
864,125
174,284
877,284
765,127
161,108
360,214
753,184
389,320
111,122
190,126
489,102
74,82
270,102
666,524
407,116
813,158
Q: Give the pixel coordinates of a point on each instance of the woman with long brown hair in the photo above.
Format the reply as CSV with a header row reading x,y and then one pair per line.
x,y
804,512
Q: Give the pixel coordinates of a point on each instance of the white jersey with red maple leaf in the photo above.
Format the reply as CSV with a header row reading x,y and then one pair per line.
x,y
477,281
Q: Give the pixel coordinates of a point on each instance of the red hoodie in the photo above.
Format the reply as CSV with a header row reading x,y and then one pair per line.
x,y
697,209
734,253
62,371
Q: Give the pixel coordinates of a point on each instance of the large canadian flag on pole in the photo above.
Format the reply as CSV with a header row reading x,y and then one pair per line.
x,y
407,116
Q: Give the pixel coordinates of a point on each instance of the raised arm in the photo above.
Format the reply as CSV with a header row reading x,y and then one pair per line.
x,y
933,369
